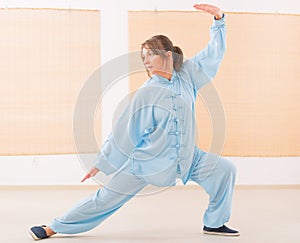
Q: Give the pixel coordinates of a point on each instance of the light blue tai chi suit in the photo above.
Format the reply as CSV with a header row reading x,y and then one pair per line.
x,y
153,142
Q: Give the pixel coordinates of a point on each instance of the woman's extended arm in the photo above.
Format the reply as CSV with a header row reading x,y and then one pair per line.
x,y
211,56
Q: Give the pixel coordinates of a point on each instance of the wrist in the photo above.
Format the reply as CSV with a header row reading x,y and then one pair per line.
x,y
219,16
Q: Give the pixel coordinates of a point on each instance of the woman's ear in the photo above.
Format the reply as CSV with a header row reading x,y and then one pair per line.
x,y
169,53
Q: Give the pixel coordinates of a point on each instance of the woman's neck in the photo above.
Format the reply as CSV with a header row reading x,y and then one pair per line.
x,y
166,75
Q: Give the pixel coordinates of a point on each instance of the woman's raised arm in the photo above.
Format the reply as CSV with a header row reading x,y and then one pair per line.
x,y
211,56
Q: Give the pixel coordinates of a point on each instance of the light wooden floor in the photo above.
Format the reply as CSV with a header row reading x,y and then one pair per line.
x,y
175,215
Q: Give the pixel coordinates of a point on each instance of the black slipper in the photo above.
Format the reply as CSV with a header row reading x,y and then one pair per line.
x,y
223,230
38,232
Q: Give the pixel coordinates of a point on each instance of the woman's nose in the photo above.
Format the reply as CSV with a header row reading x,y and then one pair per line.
x,y
146,60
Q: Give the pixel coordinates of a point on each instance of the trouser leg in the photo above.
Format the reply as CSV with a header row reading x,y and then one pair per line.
x,y
89,213
217,176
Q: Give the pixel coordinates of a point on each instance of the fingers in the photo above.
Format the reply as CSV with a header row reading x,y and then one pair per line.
x,y
200,6
209,9
205,7
92,173
86,177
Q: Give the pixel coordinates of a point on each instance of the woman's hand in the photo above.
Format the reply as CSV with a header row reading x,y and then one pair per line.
x,y
92,173
210,9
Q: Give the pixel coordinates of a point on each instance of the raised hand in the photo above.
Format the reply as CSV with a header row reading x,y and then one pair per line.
x,y
92,173
213,10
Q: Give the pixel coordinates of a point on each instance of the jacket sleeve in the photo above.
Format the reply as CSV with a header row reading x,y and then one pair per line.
x,y
127,134
208,60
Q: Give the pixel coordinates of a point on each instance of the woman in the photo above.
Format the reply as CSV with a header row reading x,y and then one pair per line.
x,y
153,141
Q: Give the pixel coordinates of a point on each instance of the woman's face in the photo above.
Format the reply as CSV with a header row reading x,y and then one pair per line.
x,y
154,63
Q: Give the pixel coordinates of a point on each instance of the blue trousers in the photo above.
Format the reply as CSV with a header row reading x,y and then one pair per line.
x,y
215,174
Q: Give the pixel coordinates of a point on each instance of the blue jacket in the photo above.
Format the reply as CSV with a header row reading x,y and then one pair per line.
x,y
156,132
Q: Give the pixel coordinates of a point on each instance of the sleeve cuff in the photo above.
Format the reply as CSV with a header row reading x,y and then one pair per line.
x,y
103,165
219,22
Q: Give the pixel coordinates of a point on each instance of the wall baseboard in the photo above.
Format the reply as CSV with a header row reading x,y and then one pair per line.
x,y
180,187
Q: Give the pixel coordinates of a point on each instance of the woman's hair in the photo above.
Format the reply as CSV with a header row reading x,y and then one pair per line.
x,y
160,43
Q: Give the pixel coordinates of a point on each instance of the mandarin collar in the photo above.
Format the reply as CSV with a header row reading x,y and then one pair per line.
x,y
165,80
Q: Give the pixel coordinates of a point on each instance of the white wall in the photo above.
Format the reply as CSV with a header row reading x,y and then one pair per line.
x,y
66,169
270,6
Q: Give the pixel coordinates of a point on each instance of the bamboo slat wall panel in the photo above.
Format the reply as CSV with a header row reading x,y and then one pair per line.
x,y
46,56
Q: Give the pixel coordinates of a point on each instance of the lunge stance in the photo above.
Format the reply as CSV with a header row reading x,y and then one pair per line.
x,y
153,141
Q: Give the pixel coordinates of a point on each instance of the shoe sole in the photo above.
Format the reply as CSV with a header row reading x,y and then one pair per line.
x,y
220,233
33,235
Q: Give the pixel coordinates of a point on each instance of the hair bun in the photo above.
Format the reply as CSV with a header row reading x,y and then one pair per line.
x,y
177,50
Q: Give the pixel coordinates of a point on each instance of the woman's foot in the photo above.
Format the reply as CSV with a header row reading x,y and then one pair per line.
x,y
223,230
41,232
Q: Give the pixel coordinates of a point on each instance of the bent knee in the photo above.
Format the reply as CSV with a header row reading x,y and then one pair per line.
x,y
227,166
